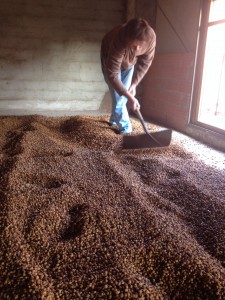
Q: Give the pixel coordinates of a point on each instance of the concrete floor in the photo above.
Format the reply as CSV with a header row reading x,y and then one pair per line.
x,y
208,155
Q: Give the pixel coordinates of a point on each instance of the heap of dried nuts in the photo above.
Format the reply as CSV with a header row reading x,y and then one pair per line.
x,y
81,218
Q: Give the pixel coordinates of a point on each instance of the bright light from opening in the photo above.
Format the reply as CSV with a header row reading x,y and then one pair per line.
x,y
212,102
217,10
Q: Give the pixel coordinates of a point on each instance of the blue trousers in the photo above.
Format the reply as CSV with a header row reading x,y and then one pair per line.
x,y
119,115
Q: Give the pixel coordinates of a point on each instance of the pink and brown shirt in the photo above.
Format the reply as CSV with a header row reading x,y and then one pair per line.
x,y
117,55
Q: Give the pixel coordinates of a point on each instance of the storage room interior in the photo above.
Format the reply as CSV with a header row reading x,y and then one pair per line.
x,y
81,217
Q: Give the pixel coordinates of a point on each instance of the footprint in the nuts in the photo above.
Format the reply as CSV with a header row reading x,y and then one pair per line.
x,y
44,181
78,219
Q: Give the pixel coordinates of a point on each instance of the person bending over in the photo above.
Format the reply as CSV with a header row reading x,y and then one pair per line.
x,y
127,52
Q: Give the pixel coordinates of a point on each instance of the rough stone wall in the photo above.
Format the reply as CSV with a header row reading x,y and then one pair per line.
x,y
49,53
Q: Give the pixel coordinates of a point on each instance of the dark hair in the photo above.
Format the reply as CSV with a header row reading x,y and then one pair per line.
x,y
137,29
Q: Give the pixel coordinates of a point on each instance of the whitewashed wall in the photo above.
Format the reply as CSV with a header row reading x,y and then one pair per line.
x,y
49,53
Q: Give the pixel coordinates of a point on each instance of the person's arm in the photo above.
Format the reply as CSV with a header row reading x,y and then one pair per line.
x,y
118,86
143,63
113,67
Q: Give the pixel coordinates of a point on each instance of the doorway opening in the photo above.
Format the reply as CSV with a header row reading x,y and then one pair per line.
x,y
210,105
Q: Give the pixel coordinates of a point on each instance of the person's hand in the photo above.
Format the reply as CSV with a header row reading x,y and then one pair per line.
x,y
132,89
134,103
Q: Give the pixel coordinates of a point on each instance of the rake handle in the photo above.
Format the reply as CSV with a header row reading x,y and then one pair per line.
x,y
139,115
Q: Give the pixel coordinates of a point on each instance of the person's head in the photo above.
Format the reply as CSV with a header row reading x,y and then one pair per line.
x,y
137,29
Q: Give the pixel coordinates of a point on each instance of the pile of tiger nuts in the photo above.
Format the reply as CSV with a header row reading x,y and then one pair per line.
x,y
82,218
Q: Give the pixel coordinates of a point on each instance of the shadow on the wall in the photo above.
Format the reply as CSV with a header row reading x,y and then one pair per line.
x,y
106,104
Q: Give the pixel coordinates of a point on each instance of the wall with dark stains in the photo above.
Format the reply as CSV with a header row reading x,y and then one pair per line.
x,y
49,53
